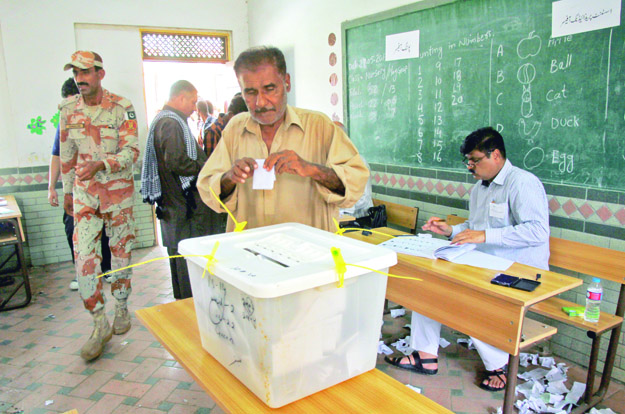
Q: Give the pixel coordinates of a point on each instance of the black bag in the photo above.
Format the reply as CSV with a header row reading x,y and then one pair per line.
x,y
376,217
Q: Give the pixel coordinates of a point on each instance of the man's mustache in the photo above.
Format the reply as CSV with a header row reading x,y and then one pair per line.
x,y
82,84
263,110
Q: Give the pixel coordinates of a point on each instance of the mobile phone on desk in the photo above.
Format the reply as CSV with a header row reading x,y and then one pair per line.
x,y
503,279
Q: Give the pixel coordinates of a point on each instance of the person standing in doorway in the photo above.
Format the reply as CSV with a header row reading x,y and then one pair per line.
x,y
172,161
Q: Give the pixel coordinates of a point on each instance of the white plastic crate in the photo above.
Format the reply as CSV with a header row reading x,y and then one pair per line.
x,y
272,313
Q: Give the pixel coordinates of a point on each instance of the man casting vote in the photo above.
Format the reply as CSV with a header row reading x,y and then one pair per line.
x,y
317,168
508,217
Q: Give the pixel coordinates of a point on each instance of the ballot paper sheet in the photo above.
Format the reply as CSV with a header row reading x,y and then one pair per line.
x,y
424,245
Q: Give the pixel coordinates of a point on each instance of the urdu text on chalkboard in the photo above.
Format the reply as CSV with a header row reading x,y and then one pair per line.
x,y
559,101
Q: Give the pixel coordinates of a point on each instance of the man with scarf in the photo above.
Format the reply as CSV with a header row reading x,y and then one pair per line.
x,y
172,161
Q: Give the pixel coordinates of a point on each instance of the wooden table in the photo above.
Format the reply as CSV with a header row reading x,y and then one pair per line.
x,y
463,298
175,326
11,234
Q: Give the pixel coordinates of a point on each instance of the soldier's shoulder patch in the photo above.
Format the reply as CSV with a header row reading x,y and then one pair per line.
x,y
69,101
121,101
130,114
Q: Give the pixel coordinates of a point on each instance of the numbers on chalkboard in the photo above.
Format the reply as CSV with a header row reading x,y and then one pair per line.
x,y
419,154
438,120
438,148
456,100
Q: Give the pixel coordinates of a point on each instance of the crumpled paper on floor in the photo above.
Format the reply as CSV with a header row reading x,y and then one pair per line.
x,y
467,341
396,313
384,349
403,345
602,411
545,390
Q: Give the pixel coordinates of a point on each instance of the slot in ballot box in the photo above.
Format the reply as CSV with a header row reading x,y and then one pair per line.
x,y
272,314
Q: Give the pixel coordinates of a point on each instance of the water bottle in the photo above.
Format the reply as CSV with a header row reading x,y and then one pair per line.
x,y
593,300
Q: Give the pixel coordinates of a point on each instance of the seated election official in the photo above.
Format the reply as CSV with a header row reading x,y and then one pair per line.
x,y
317,167
508,217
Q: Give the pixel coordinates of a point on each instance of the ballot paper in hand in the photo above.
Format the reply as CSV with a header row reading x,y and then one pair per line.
x,y
263,179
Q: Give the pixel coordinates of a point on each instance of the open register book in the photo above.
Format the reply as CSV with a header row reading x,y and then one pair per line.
x,y
424,245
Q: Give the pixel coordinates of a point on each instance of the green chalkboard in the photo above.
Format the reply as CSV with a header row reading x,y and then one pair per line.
x,y
558,102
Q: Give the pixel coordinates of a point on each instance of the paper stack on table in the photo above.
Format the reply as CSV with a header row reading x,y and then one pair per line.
x,y
424,245
3,201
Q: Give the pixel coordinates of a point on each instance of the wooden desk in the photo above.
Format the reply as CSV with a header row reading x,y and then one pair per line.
x,y
463,298
175,326
16,214
12,234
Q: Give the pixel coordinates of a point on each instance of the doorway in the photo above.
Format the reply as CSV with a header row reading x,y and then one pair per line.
x,y
215,82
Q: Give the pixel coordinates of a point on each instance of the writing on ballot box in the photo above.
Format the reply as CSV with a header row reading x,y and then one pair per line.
x,y
271,310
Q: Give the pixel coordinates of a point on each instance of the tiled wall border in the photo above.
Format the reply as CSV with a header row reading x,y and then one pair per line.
x,y
587,210
17,180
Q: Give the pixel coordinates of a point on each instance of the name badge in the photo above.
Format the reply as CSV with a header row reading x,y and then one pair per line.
x,y
75,126
498,210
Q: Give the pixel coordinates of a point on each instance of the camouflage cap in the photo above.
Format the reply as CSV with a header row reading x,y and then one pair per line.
x,y
84,59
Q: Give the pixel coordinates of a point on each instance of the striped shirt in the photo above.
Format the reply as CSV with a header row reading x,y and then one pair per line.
x,y
514,212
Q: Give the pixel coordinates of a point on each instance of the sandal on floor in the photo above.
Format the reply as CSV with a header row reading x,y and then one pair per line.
x,y
418,363
499,373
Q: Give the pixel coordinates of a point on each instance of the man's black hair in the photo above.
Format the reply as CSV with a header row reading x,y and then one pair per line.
x,y
237,104
69,88
253,57
181,86
485,140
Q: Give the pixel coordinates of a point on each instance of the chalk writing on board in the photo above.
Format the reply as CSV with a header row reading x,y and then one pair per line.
x,y
527,48
578,16
558,102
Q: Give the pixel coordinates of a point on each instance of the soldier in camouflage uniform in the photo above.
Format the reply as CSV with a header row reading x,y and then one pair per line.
x,y
98,148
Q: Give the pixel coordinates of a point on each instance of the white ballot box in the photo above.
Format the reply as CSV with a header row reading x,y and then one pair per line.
x,y
272,314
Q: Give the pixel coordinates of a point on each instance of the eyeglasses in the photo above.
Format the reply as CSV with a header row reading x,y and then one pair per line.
x,y
473,163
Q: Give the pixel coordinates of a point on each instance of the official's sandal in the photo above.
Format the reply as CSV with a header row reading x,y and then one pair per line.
x,y
499,373
418,363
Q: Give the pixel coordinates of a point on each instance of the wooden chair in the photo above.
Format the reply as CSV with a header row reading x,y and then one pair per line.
x,y
606,264
400,215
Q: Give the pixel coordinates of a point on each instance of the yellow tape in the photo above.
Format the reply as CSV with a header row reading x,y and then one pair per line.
x,y
340,265
340,232
211,260
237,226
